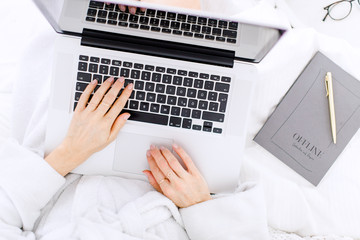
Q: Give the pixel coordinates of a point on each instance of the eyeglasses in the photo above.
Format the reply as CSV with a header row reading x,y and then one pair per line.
x,y
339,10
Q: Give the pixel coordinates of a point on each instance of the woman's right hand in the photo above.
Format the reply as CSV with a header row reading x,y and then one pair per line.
x,y
94,125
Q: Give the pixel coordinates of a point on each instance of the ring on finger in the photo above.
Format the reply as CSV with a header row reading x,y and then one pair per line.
x,y
162,181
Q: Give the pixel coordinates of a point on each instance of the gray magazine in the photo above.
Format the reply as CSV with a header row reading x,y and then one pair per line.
x,y
299,133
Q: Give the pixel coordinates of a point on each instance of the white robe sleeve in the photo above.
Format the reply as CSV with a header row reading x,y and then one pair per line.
x,y
238,216
27,183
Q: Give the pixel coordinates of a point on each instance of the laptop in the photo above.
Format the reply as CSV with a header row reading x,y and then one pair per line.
x,y
193,73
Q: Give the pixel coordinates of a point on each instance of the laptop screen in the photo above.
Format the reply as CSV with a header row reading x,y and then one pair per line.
x,y
176,21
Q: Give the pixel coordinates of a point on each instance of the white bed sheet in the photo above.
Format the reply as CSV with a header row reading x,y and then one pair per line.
x,y
293,204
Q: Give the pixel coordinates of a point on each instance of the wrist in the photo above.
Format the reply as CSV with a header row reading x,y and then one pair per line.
x,y
64,159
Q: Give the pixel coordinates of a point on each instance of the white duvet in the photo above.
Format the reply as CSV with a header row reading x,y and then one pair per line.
x,y
293,205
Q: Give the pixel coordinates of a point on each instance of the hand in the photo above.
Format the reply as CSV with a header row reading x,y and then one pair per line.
x,y
184,187
92,127
132,10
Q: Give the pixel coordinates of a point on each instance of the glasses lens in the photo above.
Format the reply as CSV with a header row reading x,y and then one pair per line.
x,y
340,10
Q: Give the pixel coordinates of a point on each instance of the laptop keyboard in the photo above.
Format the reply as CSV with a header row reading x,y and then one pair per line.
x,y
164,22
165,96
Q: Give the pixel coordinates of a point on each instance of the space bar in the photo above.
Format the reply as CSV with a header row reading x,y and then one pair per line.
x,y
148,117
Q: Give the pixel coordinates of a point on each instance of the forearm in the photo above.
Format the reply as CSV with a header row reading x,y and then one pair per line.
x,y
27,183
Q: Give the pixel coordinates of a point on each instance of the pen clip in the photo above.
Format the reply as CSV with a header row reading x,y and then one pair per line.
x,y
326,85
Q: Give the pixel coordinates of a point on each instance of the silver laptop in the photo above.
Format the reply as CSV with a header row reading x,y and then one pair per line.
x,y
193,74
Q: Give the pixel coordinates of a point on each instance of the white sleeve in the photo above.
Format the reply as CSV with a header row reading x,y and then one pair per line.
x,y
27,183
238,216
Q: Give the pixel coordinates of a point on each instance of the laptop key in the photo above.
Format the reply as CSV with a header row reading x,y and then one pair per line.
x,y
128,64
202,21
204,76
213,106
196,28
175,122
123,24
134,25
222,87
199,35
140,95
230,40
154,108
171,15
171,71
185,112
175,111
93,68
166,30
177,32
104,69
191,93
188,82
160,88
196,127
154,22
192,103
80,87
77,96
223,24
217,130
82,66
139,85
171,100
212,22
156,77
188,34
148,117
150,12
123,17
91,12
164,23
149,86
206,30
229,33
84,58
112,22
161,98
182,102
150,97
135,74
212,96
144,106
199,83
114,71
181,17
155,29
209,85
226,79
102,14
209,37
233,25
196,114
202,94
203,105
182,73
175,25
124,72
149,68
193,74
167,78
133,18
113,15
206,129
192,19
145,75
222,107
98,78
216,31
220,39
94,59
181,91
211,116
186,123
185,26
177,80
161,14
144,20
85,77
95,4
165,109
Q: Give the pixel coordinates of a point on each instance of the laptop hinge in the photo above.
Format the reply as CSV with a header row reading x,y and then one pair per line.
x,y
159,48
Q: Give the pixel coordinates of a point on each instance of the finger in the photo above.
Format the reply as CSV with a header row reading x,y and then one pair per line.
x,y
143,9
120,102
122,8
163,164
155,170
152,180
173,162
110,97
132,10
84,98
118,125
99,94
186,159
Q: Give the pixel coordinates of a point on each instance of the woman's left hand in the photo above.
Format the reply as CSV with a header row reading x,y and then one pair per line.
x,y
185,187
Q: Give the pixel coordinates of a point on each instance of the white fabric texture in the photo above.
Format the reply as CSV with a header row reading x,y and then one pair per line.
x,y
98,207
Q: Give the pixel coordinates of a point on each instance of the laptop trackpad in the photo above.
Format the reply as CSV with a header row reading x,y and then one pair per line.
x,y
130,151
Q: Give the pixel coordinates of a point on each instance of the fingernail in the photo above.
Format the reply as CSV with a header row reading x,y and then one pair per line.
x,y
122,8
110,79
148,153
133,10
121,79
93,82
175,145
162,148
130,86
126,117
152,146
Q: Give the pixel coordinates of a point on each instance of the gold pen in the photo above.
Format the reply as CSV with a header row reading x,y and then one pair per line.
x,y
330,95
